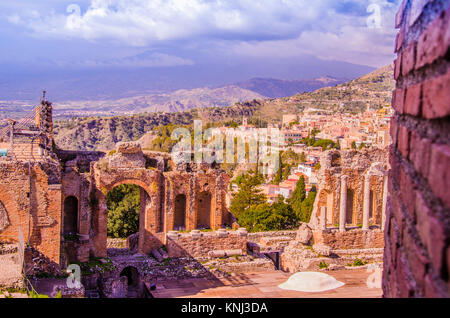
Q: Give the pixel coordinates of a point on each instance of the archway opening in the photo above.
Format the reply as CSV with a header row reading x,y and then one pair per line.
x,y
180,213
132,274
350,206
70,225
204,211
123,218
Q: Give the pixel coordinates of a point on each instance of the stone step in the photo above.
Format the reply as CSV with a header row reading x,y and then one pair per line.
x,y
269,241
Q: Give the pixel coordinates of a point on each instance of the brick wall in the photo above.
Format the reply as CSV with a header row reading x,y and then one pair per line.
x,y
43,224
351,239
204,244
417,253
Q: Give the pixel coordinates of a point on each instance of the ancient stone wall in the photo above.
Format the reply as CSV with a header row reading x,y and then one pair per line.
x,y
417,252
207,244
349,183
352,239
32,204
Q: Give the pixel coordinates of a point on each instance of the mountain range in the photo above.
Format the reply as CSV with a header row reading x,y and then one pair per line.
x,y
184,99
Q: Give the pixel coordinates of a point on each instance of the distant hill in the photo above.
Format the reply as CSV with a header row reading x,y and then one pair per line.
x,y
372,90
275,88
180,100
102,133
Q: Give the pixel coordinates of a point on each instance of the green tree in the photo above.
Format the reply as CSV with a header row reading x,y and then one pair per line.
x,y
265,217
307,206
286,173
298,196
353,145
279,174
248,194
123,204
302,157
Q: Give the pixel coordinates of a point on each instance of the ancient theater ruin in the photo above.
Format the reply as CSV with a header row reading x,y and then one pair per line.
x,y
348,215
58,198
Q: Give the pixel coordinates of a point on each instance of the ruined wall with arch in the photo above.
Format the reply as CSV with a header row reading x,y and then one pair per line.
x,y
68,200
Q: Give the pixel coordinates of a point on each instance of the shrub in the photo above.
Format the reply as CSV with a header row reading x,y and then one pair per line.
x,y
323,265
358,262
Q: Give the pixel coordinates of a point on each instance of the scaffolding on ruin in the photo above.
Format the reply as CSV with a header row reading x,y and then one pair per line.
x,y
30,137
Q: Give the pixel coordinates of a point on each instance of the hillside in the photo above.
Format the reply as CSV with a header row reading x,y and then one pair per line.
x,y
373,90
275,88
177,101
96,133
102,133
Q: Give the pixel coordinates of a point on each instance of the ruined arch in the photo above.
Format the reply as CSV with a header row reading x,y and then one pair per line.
x,y
132,274
70,215
204,210
180,212
101,215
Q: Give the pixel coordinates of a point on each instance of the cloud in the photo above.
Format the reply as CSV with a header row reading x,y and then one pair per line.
x,y
326,28
146,59
349,38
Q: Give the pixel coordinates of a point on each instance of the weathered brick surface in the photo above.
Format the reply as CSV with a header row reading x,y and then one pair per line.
x,y
436,97
39,213
202,244
416,259
352,239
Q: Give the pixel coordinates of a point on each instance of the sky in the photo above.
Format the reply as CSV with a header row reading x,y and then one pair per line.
x,y
240,39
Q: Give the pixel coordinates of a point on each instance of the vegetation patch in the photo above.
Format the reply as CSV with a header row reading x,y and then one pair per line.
x,y
323,265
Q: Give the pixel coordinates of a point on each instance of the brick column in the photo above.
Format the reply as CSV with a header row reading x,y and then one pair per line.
x,y
343,207
366,203
417,233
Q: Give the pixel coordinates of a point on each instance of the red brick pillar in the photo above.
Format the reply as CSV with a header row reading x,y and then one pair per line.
x,y
417,254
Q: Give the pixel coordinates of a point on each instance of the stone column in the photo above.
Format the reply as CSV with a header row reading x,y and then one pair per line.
x,y
383,209
323,218
343,207
366,206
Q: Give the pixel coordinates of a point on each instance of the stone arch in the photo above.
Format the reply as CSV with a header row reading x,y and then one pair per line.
x,y
132,274
70,215
101,215
180,212
204,210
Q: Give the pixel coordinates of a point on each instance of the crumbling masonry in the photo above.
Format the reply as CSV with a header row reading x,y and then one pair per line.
x,y
348,214
417,253
58,198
